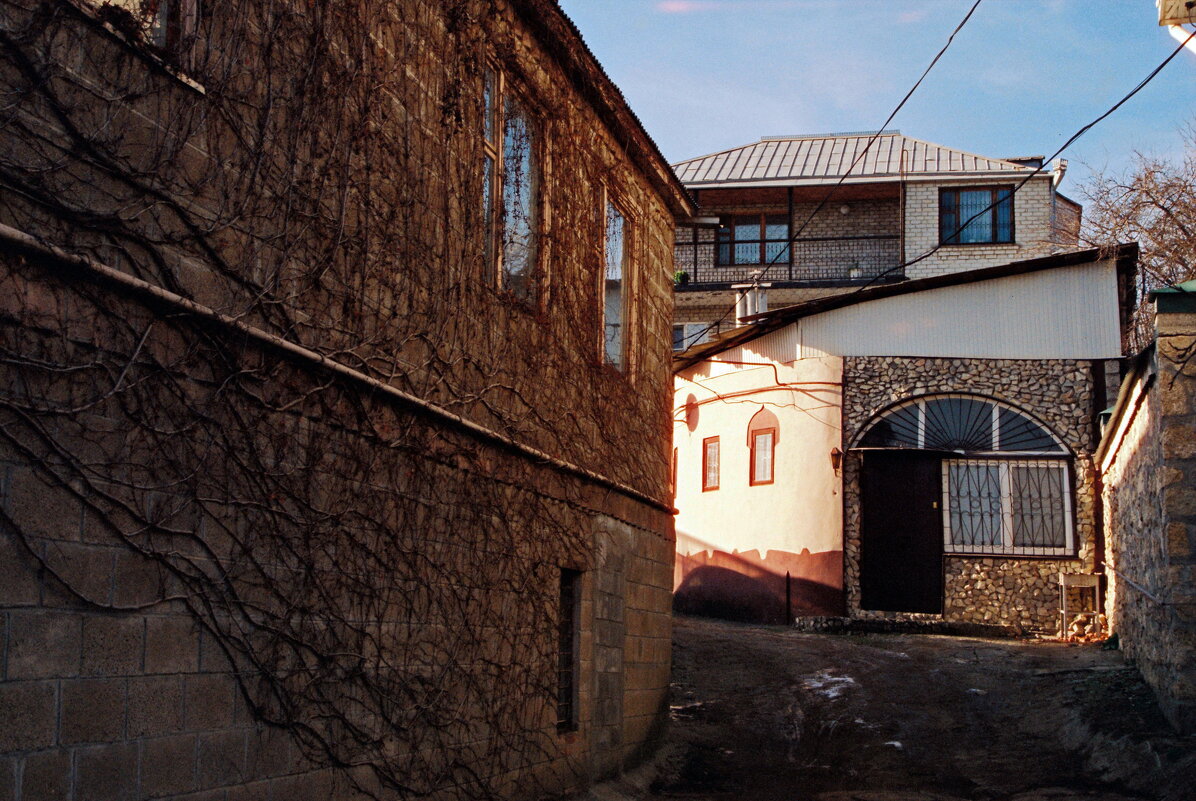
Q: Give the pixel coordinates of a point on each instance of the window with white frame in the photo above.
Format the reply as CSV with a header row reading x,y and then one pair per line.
x,y
1007,506
686,335
1009,492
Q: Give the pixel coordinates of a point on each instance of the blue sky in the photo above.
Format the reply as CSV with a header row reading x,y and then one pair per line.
x,y
1020,78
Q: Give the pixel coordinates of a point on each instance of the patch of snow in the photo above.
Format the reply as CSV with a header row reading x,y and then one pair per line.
x,y
976,691
827,685
895,744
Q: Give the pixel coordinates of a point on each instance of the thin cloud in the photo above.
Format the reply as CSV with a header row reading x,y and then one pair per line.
x,y
695,6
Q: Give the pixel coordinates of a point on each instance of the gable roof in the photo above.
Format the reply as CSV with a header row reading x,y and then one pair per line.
x,y
563,41
824,158
1126,256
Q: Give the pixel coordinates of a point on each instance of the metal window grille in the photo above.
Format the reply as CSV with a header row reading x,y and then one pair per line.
x,y
1007,506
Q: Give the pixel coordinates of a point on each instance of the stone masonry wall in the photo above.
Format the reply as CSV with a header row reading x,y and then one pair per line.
x,y
1150,518
227,573
1017,592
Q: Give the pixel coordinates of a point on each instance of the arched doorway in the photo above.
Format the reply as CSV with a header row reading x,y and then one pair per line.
x,y
955,474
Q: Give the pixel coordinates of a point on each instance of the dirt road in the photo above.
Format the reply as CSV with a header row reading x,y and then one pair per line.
x,y
771,713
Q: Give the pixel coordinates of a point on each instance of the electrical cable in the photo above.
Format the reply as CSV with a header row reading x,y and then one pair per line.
x,y
1038,170
871,141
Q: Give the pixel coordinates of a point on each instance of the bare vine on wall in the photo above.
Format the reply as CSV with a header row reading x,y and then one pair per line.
x,y
383,588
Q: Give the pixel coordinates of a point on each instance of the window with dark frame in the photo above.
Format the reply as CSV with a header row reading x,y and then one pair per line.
x,y
752,239
763,448
568,641
508,188
614,310
172,23
710,457
985,214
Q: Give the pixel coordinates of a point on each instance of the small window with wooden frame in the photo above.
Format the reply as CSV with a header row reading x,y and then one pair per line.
x,y
710,464
616,261
509,188
763,429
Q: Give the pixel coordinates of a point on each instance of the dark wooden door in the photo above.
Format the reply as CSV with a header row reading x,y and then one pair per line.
x,y
901,532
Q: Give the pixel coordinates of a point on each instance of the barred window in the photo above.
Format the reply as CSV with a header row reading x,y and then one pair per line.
x,y
613,301
1014,506
568,631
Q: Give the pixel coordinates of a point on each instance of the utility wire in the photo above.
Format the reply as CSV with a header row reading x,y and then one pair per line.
x,y
871,141
1038,170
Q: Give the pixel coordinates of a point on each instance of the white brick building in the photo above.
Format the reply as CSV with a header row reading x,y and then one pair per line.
x,y
822,214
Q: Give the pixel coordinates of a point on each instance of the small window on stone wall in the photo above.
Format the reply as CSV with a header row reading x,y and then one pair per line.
x,y
568,638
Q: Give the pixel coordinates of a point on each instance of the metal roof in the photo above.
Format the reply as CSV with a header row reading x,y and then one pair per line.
x,y
824,158
1126,256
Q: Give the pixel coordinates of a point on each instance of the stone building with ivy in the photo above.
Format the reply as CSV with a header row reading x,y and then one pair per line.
x,y
333,420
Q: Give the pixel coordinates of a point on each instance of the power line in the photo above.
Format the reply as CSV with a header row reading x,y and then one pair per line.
x,y
872,140
1038,170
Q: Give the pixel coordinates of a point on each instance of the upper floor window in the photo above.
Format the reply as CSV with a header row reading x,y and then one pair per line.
x,y
613,301
753,239
509,188
710,463
686,335
172,22
975,215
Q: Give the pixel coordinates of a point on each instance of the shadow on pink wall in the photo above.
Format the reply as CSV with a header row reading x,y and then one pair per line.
x,y
749,587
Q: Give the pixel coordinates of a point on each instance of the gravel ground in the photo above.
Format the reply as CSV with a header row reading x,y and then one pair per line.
x,y
769,713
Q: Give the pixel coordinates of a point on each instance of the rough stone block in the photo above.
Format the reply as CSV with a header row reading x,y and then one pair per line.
x,y
1179,501
41,507
113,645
43,644
30,715
1179,442
137,580
208,703
93,711
8,780
155,705
221,758
168,765
171,644
268,752
46,776
20,586
106,772
86,570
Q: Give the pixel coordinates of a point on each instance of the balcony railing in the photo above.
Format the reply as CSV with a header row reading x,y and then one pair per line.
x,y
815,260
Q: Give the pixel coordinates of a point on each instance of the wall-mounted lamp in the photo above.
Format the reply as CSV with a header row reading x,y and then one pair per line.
x,y
844,209
836,459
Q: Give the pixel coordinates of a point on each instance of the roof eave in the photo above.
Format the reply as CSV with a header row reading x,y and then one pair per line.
x,y
1126,256
557,34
